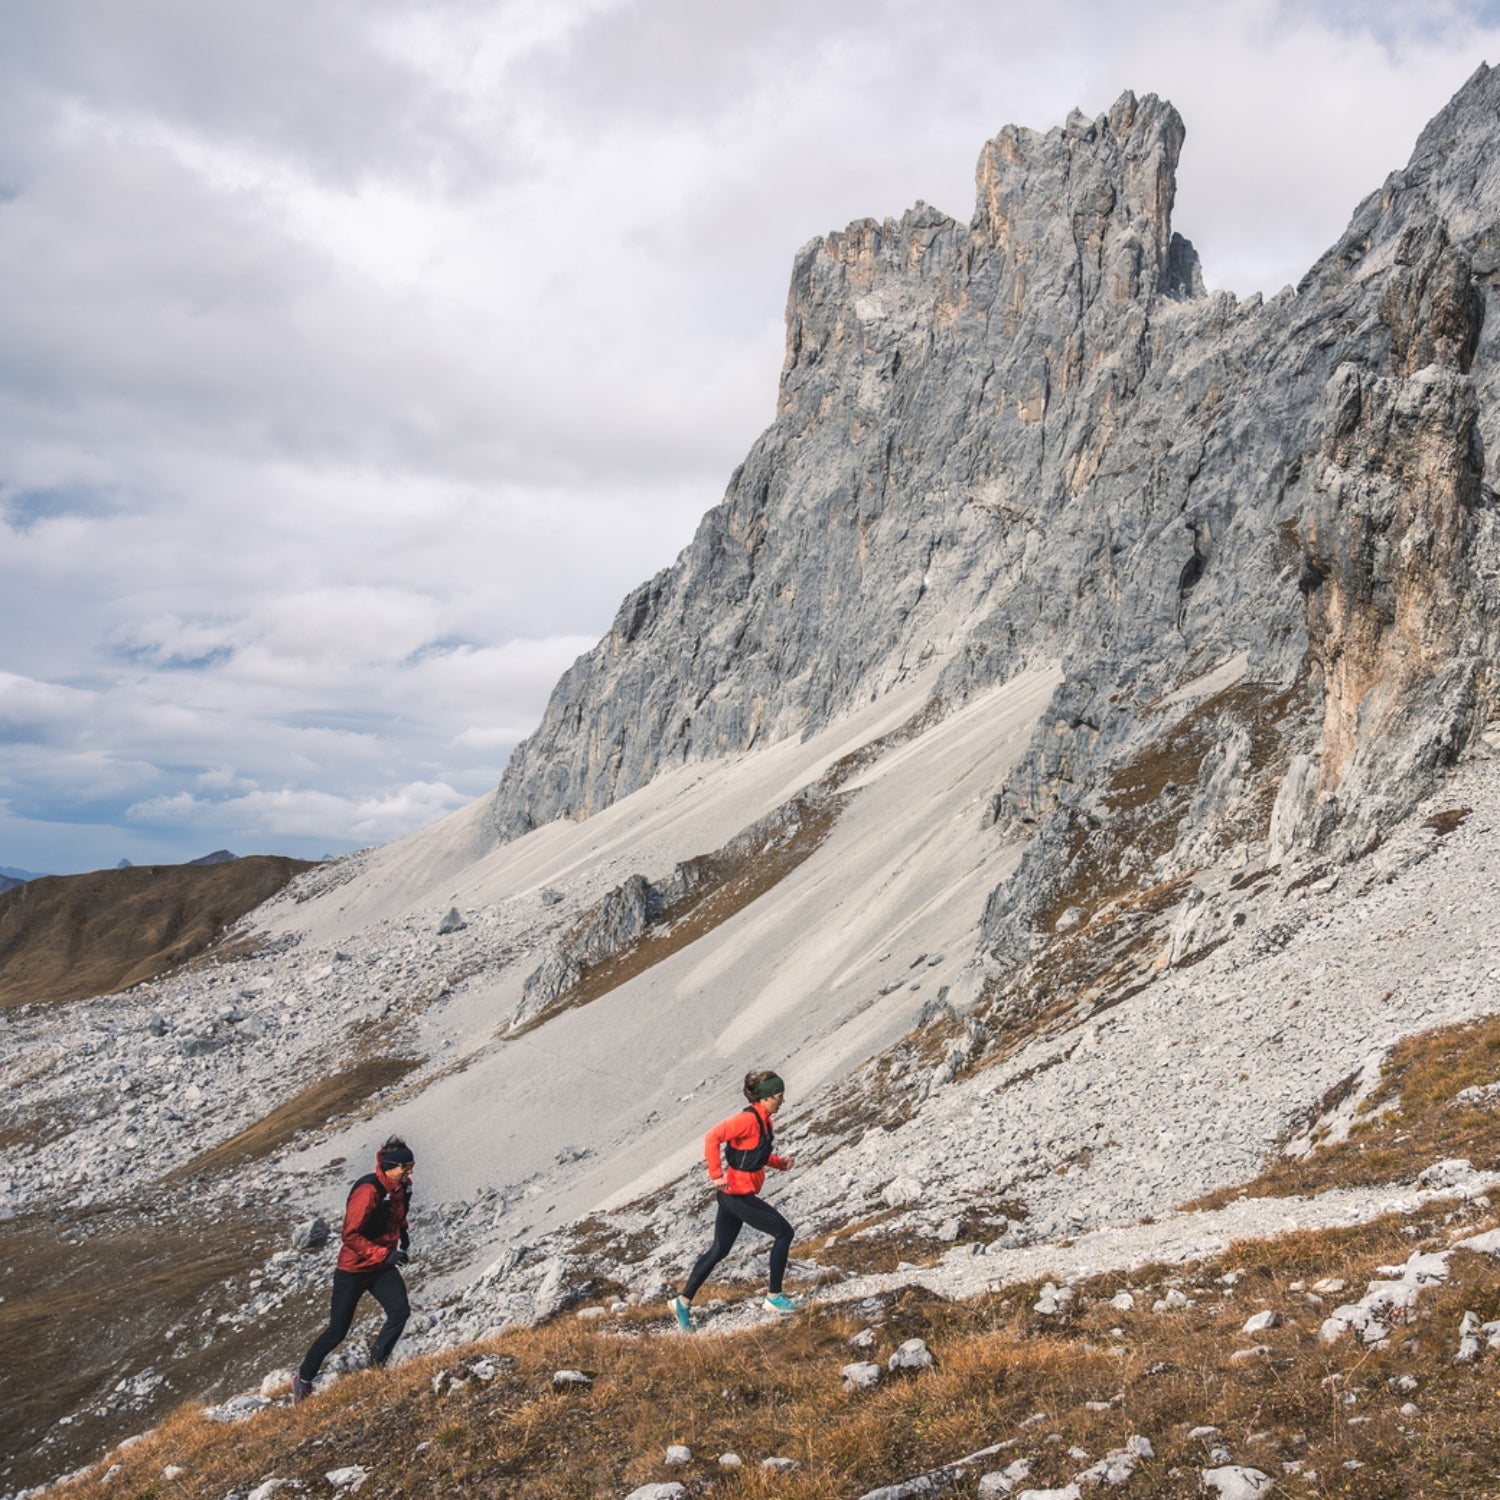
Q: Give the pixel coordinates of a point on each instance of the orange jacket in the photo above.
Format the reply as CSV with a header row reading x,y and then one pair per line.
x,y
741,1132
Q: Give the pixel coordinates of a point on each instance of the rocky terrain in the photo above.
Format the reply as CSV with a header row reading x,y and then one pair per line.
x,y
1065,754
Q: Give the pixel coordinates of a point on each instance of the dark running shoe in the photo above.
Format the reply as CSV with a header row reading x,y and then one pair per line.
x,y
301,1390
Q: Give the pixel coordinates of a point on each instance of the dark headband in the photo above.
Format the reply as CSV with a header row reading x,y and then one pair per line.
x,y
769,1087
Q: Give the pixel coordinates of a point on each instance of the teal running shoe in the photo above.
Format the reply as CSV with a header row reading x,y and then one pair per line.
x,y
779,1302
683,1310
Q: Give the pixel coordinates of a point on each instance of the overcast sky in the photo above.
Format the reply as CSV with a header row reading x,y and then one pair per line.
x,y
356,356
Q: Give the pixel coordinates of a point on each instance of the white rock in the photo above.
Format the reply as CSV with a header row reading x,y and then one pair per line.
x,y
678,1454
1483,1244
670,1490
1122,1302
912,1355
1258,1351
570,1377
1468,1340
1446,1173
349,1478
779,1465
1053,1300
237,1408
861,1377
173,1471
1068,1492
730,1461
1114,1468
1140,1446
1236,1482
266,1490
900,1191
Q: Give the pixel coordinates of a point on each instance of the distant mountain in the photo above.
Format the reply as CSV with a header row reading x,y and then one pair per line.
x,y
124,864
11,873
218,857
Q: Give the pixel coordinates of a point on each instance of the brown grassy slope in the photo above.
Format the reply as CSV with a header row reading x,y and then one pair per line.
x,y
1323,1419
65,937
1098,1376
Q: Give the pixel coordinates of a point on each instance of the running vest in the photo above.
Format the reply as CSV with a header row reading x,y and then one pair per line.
x,y
754,1159
378,1220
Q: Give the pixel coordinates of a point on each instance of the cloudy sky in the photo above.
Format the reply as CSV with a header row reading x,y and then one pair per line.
x,y
356,356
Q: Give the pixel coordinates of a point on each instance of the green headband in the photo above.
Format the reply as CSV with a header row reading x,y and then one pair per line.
x,y
768,1088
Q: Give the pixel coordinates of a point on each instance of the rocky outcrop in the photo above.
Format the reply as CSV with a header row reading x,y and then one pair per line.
x,y
1035,436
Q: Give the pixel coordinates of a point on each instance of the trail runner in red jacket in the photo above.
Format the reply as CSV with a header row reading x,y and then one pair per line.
x,y
737,1151
373,1251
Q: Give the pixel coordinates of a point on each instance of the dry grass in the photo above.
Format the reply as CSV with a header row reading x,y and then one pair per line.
x,y
1099,1375
65,937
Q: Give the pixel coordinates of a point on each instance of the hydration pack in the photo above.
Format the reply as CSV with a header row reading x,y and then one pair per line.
x,y
755,1157
378,1220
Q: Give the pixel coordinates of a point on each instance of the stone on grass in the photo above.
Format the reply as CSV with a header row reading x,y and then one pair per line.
x,y
1067,1492
730,1461
237,1408
1114,1469
1053,1300
173,1471
1140,1446
1122,1302
1445,1173
1236,1482
861,1377
349,1478
266,1490
780,1465
669,1490
912,1355
1468,1340
1482,1244
563,1378
1004,1481
677,1455
907,1489
1244,1356
1262,1321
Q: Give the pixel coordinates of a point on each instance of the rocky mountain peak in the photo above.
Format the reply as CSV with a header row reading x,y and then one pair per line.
x,y
1098,192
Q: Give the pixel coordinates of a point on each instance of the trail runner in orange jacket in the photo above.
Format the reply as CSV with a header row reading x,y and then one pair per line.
x,y
738,1151
370,1258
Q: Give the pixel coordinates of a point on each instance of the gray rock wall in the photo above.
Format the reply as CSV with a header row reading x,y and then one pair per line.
x,y
1035,436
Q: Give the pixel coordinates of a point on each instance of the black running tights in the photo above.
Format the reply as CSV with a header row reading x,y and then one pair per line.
x,y
736,1209
387,1288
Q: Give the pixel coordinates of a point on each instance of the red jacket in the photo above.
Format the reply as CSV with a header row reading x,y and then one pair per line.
x,y
374,1221
741,1132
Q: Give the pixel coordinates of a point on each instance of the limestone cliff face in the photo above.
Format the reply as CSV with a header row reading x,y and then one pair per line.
x,y
1034,436
947,390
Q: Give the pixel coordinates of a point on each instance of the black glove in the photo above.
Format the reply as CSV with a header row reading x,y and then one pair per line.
x,y
396,1256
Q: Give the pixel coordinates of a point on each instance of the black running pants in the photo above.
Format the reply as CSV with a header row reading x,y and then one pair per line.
x,y
736,1209
387,1288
